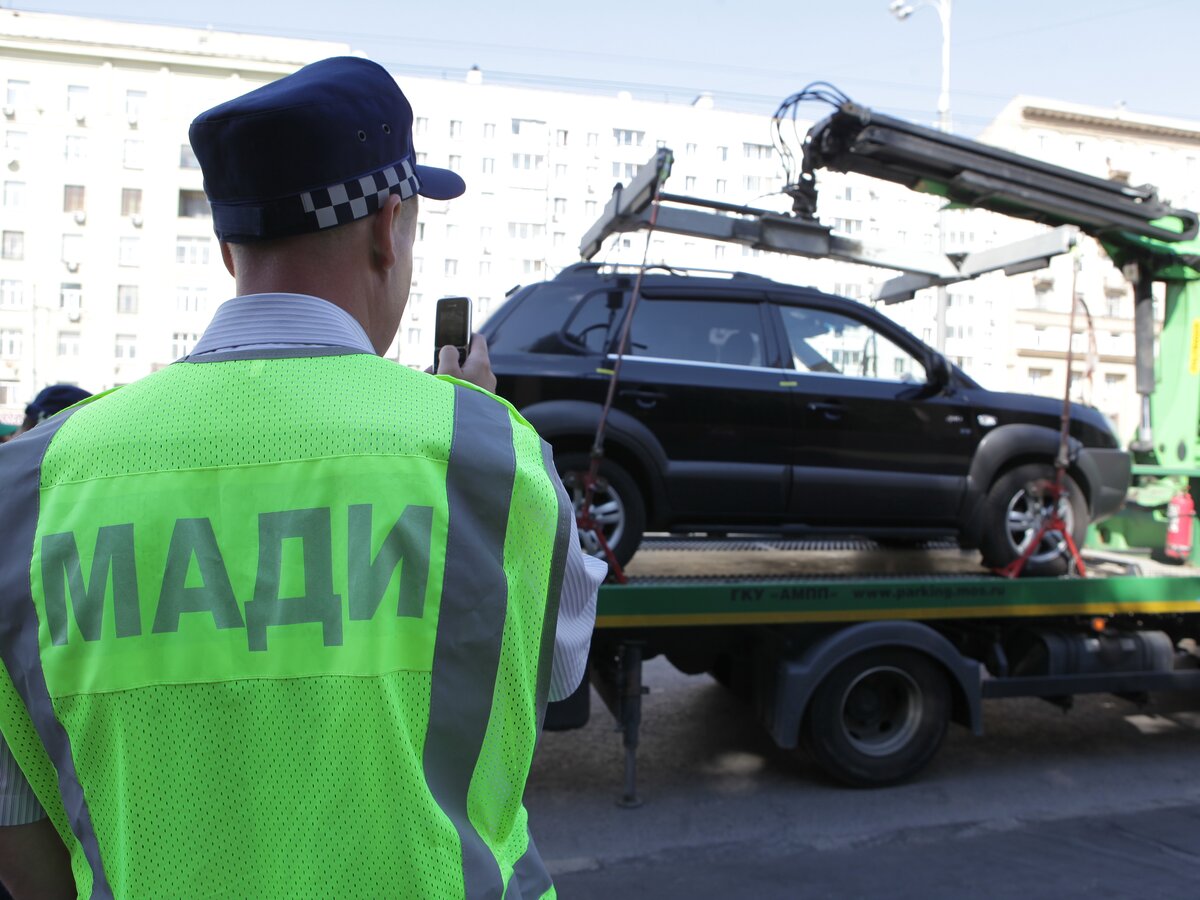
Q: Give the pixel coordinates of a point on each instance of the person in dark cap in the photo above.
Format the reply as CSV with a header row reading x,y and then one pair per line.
x,y
282,618
51,400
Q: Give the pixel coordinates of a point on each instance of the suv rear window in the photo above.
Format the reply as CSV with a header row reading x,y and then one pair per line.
x,y
554,319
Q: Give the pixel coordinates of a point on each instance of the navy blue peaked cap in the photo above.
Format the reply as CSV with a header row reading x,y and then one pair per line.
x,y
321,147
54,399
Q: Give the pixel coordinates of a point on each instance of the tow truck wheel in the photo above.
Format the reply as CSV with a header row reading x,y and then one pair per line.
x,y
878,717
617,505
1013,512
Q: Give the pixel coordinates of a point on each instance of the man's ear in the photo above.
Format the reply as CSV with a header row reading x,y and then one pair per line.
x,y
227,258
383,233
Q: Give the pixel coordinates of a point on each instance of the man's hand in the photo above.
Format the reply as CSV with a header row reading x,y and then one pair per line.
x,y
478,367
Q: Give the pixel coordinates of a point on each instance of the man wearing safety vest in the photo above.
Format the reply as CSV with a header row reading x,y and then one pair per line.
x,y
281,619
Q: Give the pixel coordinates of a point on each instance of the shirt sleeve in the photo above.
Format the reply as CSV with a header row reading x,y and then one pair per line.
x,y
576,618
18,804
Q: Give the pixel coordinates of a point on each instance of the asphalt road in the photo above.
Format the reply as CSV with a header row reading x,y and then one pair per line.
x,y
1103,801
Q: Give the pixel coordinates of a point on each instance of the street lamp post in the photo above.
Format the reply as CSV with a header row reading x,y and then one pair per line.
x,y
902,10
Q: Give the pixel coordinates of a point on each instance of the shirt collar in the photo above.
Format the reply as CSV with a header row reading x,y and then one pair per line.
x,y
258,321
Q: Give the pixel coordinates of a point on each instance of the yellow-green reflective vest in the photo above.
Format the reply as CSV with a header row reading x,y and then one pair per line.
x,y
282,627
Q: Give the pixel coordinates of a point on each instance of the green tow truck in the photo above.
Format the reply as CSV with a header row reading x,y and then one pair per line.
x,y
866,653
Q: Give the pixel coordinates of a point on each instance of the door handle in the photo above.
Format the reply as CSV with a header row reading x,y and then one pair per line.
x,y
831,411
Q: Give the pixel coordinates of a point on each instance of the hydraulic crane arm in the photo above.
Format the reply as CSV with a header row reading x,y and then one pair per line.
x,y
856,139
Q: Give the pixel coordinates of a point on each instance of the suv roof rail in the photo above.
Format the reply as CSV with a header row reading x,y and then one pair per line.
x,y
581,268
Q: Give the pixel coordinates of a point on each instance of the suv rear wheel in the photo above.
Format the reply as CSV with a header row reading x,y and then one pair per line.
x,y
617,505
1013,513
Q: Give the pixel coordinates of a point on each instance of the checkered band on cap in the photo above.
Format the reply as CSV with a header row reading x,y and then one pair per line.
x,y
342,203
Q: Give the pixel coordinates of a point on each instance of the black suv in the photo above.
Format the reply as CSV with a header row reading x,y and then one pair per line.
x,y
746,405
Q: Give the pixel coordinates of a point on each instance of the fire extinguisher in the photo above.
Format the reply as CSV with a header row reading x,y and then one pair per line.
x,y
1181,513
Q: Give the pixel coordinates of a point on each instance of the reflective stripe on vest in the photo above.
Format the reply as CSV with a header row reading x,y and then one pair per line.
x,y
151,578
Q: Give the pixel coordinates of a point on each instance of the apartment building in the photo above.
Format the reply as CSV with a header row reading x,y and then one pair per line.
x,y
109,268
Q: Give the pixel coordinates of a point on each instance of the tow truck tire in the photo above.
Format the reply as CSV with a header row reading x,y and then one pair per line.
x,y
617,504
1010,519
878,717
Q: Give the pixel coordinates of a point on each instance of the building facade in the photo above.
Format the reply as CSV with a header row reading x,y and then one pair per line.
x,y
109,268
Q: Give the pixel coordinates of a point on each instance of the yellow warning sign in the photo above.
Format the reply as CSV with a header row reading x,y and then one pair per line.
x,y
1194,349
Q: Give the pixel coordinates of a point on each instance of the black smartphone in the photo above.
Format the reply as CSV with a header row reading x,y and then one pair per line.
x,y
452,325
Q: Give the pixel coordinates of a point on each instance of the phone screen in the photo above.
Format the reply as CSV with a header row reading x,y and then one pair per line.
x,y
452,326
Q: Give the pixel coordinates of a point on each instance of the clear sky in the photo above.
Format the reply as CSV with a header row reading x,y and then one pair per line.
x,y
749,54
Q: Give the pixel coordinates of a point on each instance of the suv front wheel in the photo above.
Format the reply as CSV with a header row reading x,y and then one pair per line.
x,y
617,506
1013,512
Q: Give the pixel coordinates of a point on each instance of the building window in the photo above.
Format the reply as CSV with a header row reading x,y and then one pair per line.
x,y
455,163
129,251
420,125
17,96
559,238
12,293
135,102
10,343
526,230
68,343
182,343
14,194
722,154
75,148
193,205
418,265
131,201
530,162
721,185
420,231
757,151
421,158
12,245
560,137
450,267
593,139
626,170
125,346
127,298
560,206
134,153
192,251
689,182
187,157
752,183
489,130
70,296
531,266
414,336
485,267
589,208
191,299
626,137
848,226
489,165
1038,376
73,195
485,233
455,128
15,140
77,100
690,150
72,249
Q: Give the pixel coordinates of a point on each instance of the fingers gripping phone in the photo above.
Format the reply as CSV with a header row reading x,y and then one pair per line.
x,y
452,325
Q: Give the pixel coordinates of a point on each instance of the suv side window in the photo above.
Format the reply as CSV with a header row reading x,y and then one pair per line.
x,y
827,342
708,331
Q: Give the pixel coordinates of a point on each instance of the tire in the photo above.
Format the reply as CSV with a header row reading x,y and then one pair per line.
x,y
878,717
1011,516
617,504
